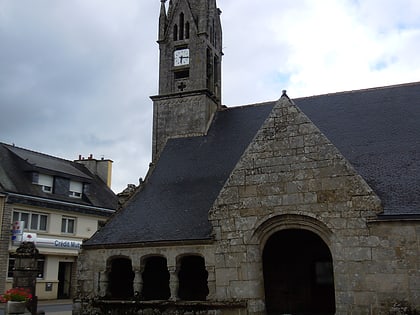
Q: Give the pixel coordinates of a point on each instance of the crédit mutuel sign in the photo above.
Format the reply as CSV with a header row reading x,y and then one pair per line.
x,y
19,236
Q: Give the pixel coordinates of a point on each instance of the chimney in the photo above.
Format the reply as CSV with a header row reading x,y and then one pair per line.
x,y
101,168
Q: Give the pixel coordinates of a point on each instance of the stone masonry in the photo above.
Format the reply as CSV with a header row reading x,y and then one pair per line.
x,y
188,116
291,176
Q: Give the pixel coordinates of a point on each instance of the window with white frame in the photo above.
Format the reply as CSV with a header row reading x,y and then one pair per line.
x,y
33,221
68,225
76,189
46,182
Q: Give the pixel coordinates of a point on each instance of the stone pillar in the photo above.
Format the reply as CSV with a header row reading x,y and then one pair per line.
x,y
25,271
103,283
211,283
173,283
138,282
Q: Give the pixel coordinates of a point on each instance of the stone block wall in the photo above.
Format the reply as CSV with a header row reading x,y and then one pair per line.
x,y
190,114
394,272
291,176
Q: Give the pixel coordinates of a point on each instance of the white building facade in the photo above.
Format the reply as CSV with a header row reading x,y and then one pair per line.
x,y
56,204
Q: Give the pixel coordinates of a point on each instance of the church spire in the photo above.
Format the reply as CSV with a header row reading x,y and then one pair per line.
x,y
163,20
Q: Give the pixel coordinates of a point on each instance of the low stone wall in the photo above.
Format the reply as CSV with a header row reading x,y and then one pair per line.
x,y
113,307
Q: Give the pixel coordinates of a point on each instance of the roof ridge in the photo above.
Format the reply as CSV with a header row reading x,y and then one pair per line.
x,y
362,90
36,152
249,105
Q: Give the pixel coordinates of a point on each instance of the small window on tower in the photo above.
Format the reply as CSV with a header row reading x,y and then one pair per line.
x,y
213,33
182,74
187,30
175,32
181,26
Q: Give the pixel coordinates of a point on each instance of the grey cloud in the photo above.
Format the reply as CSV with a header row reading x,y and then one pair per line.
x,y
76,76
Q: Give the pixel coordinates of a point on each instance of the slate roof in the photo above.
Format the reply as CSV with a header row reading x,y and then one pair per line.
x,y
17,164
377,130
49,164
174,203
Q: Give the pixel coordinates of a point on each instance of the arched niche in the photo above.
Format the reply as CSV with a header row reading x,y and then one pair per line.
x,y
192,276
155,279
120,278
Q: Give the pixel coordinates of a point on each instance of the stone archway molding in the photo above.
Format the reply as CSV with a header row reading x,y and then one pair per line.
x,y
264,229
268,226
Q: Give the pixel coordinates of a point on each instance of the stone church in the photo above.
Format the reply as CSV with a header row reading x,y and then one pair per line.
x,y
294,206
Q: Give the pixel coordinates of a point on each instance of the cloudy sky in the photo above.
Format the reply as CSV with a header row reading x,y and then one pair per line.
x,y
76,75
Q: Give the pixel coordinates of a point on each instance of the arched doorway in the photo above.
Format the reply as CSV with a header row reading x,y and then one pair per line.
x,y
298,274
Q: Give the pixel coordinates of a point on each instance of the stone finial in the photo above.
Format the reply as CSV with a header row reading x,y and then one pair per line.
x,y
163,20
284,94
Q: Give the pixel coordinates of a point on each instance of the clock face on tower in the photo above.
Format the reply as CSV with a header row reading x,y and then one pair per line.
x,y
182,57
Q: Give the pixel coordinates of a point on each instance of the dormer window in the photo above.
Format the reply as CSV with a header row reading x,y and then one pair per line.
x,y
76,189
46,182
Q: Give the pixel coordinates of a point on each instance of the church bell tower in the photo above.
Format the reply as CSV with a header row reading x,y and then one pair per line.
x,y
190,44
